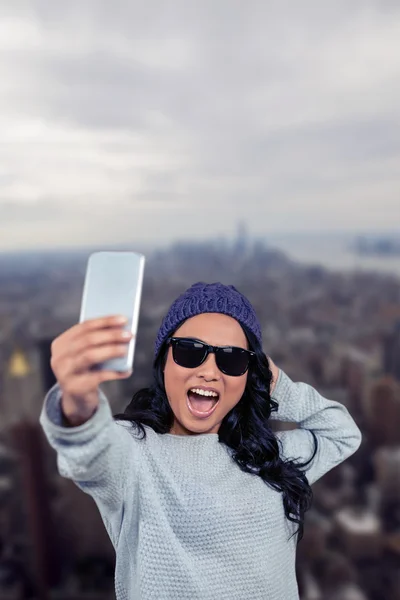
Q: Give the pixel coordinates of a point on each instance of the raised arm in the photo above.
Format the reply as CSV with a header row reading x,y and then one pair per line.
x,y
337,434
97,453
100,456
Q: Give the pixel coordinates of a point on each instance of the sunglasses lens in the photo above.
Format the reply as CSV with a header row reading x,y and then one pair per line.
x,y
188,353
232,361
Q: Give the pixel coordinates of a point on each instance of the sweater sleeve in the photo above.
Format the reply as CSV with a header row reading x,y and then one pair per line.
x,y
100,456
337,434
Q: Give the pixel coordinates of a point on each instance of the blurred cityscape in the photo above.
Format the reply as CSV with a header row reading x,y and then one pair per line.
x,y
336,330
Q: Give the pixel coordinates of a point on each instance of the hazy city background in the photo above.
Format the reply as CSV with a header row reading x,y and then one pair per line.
x,y
252,144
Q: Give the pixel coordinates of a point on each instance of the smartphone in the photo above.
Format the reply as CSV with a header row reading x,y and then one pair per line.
x,y
113,286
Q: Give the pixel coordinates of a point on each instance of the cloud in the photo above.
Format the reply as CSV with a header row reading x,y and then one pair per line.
x,y
194,115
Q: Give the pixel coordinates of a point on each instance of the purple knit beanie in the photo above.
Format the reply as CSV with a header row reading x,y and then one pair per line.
x,y
208,298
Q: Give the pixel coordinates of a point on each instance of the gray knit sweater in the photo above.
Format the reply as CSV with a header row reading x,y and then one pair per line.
x,y
186,523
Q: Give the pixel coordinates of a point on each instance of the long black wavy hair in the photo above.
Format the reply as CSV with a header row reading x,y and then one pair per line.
x,y
245,429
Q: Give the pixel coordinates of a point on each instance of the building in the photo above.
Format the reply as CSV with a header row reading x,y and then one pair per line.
x,y
391,351
383,412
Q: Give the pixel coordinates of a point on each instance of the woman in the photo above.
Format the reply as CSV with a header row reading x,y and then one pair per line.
x,y
200,498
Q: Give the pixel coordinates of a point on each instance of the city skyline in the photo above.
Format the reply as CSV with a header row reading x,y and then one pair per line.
x,y
337,332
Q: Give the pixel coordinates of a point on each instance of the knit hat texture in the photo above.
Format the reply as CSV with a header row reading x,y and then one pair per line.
x,y
208,298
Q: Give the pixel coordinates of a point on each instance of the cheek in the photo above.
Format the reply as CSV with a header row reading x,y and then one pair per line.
x,y
174,378
236,388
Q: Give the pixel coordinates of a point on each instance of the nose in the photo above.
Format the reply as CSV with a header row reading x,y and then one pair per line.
x,y
209,369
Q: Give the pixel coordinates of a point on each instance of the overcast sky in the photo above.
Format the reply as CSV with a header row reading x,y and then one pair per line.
x,y
132,120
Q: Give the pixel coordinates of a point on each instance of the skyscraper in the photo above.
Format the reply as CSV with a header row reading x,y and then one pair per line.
x,y
20,411
391,352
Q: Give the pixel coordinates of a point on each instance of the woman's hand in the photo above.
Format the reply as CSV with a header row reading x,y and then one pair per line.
x,y
275,373
75,352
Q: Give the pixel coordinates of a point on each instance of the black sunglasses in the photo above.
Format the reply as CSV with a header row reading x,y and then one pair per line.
x,y
191,353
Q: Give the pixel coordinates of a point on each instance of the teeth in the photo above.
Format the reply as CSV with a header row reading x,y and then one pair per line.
x,y
204,392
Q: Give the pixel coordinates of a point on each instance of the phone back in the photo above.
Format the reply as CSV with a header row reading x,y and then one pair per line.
x,y
113,286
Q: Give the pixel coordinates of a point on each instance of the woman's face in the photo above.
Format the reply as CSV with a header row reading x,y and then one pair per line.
x,y
218,330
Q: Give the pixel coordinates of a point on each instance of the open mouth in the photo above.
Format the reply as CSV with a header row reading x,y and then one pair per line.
x,y
200,405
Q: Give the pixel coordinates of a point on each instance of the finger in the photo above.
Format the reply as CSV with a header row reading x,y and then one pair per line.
x,y
90,325
90,357
71,344
67,366
118,374
78,357
99,338
103,322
